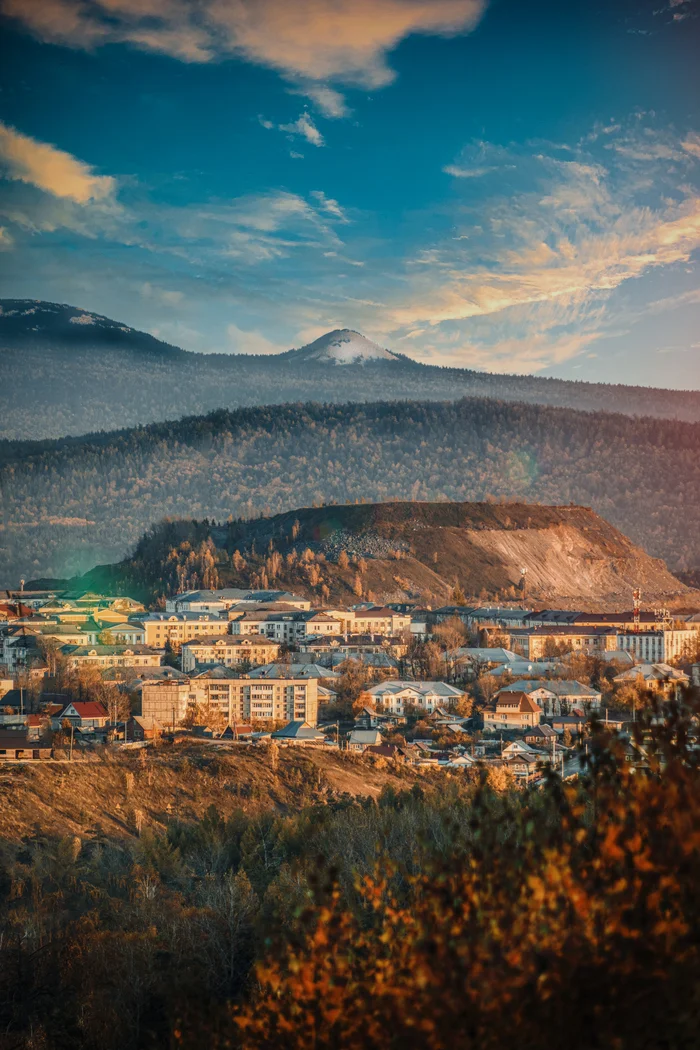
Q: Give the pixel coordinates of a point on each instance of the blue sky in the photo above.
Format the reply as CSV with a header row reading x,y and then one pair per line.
x,y
509,185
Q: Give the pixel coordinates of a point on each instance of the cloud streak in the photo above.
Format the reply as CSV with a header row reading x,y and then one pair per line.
x,y
24,159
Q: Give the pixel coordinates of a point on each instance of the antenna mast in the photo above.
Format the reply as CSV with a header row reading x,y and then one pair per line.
x,y
637,600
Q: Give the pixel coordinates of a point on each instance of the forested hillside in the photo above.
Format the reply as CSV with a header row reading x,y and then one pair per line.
x,y
396,551
69,372
70,504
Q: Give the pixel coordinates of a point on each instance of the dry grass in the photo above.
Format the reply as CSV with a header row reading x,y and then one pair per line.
x,y
118,793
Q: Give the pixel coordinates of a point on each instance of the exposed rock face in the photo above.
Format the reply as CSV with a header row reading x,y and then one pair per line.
x,y
570,554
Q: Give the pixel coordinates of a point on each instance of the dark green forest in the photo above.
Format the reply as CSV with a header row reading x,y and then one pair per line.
x,y
61,378
70,504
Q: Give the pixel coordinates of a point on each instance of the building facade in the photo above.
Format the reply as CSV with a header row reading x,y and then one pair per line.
x,y
236,699
230,650
173,629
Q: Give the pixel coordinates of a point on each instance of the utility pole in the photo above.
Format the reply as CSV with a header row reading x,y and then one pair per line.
x,y
70,754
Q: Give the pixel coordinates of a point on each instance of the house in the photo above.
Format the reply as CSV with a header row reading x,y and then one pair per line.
x,y
575,724
139,728
250,650
390,751
659,678
237,732
482,656
517,747
397,696
522,764
542,735
367,719
16,744
326,695
513,711
82,714
299,732
360,739
556,697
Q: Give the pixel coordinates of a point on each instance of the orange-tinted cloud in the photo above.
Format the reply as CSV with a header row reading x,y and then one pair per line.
x,y
312,40
39,164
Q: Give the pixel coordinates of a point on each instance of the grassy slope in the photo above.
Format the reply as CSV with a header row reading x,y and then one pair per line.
x,y
113,795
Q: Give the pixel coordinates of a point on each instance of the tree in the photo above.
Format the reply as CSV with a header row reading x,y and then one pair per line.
x,y
343,560
458,596
488,685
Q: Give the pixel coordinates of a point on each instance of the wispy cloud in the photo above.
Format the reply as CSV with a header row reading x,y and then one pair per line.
x,y
525,280
305,127
39,164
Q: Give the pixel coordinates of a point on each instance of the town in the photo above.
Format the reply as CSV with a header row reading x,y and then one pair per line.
x,y
508,690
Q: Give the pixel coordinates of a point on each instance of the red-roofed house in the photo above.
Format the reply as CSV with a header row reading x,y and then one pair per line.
x,y
83,714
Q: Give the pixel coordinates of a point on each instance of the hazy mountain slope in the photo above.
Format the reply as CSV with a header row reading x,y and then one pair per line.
x,y
69,504
61,377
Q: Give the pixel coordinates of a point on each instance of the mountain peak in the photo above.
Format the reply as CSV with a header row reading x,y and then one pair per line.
x,y
343,346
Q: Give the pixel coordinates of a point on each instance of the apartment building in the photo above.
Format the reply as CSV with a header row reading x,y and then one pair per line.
x,y
175,628
659,647
533,643
220,601
398,697
286,627
230,651
110,656
237,698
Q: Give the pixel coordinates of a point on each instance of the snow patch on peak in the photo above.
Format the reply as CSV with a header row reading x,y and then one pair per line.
x,y
345,347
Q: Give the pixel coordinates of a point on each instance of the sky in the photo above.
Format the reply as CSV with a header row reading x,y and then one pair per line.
x,y
507,185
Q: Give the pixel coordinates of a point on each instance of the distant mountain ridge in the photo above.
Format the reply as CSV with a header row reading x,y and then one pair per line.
x,y
69,371
27,320
71,503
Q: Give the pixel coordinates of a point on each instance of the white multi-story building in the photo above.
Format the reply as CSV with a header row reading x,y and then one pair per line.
x,y
659,647
220,601
397,697
286,627
233,698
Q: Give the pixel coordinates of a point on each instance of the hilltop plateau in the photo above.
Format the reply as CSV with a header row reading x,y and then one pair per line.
x,y
91,373
401,551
